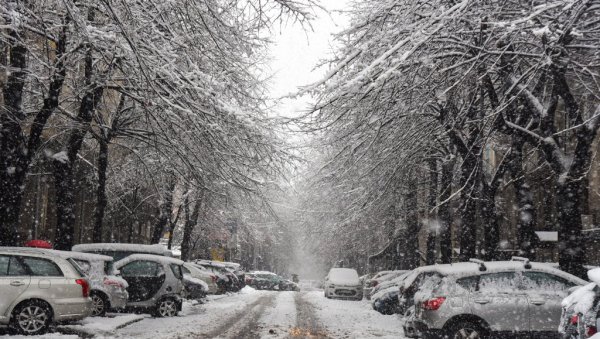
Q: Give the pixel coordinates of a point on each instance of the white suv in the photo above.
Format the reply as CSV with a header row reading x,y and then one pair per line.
x,y
38,289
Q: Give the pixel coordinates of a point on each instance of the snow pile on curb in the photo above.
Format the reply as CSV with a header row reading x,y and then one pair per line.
x,y
104,325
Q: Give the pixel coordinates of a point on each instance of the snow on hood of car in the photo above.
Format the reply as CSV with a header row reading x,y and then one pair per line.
x,y
385,292
581,300
149,257
594,275
344,276
188,278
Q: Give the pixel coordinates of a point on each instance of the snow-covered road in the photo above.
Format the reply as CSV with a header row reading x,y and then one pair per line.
x,y
250,314
267,314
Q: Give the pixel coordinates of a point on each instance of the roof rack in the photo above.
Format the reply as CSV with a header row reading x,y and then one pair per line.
x,y
481,264
524,260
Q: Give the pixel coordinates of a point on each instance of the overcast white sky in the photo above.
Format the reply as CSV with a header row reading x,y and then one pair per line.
x,y
296,52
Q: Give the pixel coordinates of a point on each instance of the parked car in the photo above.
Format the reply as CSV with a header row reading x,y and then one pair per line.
x,y
264,280
343,283
38,289
581,310
477,299
107,291
200,272
385,299
387,280
235,275
288,285
371,284
193,288
155,283
119,251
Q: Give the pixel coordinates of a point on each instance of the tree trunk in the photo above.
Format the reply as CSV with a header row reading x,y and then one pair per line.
x,y
166,209
15,155
191,220
444,215
64,167
490,221
12,165
101,192
468,232
569,235
410,251
431,254
526,219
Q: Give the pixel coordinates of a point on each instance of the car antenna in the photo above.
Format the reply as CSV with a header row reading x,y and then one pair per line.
x,y
480,263
525,261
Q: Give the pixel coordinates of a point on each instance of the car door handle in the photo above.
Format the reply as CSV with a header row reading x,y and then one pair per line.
x,y
17,283
538,302
481,301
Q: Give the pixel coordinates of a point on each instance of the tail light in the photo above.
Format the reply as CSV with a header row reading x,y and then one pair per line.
x,y
214,278
434,303
574,319
111,282
85,287
590,331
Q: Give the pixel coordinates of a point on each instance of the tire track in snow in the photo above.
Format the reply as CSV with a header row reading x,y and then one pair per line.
x,y
307,322
243,324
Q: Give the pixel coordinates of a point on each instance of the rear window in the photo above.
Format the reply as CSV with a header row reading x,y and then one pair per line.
x,y
41,267
141,268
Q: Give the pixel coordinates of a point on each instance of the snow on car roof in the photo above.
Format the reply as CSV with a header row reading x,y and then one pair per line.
x,y
149,257
62,254
466,268
156,248
225,264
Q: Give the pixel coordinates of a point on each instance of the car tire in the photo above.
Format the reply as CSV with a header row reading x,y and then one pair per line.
x,y
166,307
467,329
99,304
31,318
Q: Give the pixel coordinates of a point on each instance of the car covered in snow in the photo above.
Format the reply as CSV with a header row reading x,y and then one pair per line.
x,y
155,283
119,251
38,289
385,299
371,284
343,283
581,310
477,299
264,280
107,291
200,272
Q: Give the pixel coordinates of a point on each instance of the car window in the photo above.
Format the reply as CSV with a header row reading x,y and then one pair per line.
x,y
177,271
545,282
108,267
498,282
10,266
42,267
185,270
468,283
84,265
141,268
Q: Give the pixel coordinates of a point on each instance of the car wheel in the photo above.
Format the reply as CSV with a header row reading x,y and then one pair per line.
x,y
166,308
31,318
99,305
467,330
